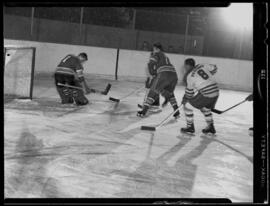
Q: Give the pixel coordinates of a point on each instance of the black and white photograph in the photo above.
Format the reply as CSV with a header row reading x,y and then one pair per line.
x,y
111,101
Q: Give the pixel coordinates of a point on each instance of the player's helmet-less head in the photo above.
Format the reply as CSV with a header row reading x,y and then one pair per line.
x,y
190,62
189,65
158,46
83,56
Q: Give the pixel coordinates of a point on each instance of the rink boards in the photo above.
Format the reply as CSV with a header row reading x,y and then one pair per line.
x,y
130,65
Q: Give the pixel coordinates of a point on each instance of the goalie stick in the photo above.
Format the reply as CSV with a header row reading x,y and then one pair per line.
x,y
69,86
105,92
118,100
221,112
149,128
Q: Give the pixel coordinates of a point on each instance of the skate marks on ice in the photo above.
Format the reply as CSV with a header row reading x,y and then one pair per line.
x,y
231,168
53,108
148,120
123,111
26,175
215,138
35,170
175,172
155,178
84,155
46,107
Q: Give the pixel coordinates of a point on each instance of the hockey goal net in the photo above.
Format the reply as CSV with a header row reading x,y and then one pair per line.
x,y
19,72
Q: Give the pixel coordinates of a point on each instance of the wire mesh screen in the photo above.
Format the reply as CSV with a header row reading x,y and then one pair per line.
x,y
108,16
18,11
192,31
18,72
160,22
68,14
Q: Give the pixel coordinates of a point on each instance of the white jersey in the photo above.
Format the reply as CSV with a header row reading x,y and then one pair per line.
x,y
201,79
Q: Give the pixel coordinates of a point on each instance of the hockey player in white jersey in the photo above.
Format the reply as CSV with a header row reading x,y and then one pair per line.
x,y
201,92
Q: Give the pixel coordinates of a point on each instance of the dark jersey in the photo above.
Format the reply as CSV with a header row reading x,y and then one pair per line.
x,y
159,62
70,64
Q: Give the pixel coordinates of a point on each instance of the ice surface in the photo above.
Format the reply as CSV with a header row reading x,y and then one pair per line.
x,y
98,150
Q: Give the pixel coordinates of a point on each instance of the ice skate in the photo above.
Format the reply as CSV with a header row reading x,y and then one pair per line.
x,y
210,129
188,130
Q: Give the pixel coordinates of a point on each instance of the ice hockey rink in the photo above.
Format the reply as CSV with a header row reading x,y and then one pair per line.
x,y
98,150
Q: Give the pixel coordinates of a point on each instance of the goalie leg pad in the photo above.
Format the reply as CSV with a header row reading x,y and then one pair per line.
x,y
65,95
79,97
64,92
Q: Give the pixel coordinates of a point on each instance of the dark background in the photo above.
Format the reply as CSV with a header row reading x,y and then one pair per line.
x,y
131,28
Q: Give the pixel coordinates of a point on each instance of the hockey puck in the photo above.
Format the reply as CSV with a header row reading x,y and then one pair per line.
x,y
114,100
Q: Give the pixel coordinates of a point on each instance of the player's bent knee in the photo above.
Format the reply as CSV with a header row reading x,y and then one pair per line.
x,y
166,94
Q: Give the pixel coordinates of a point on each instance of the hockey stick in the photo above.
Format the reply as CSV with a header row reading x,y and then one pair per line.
x,y
221,112
69,86
118,100
149,128
105,92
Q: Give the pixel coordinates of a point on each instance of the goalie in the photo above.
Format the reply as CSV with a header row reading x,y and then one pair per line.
x,y
70,72
201,92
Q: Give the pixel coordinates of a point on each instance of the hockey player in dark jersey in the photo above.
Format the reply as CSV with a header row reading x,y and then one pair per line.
x,y
164,83
201,92
149,81
69,72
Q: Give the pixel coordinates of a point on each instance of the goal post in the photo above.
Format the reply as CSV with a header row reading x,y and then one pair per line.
x,y
19,71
